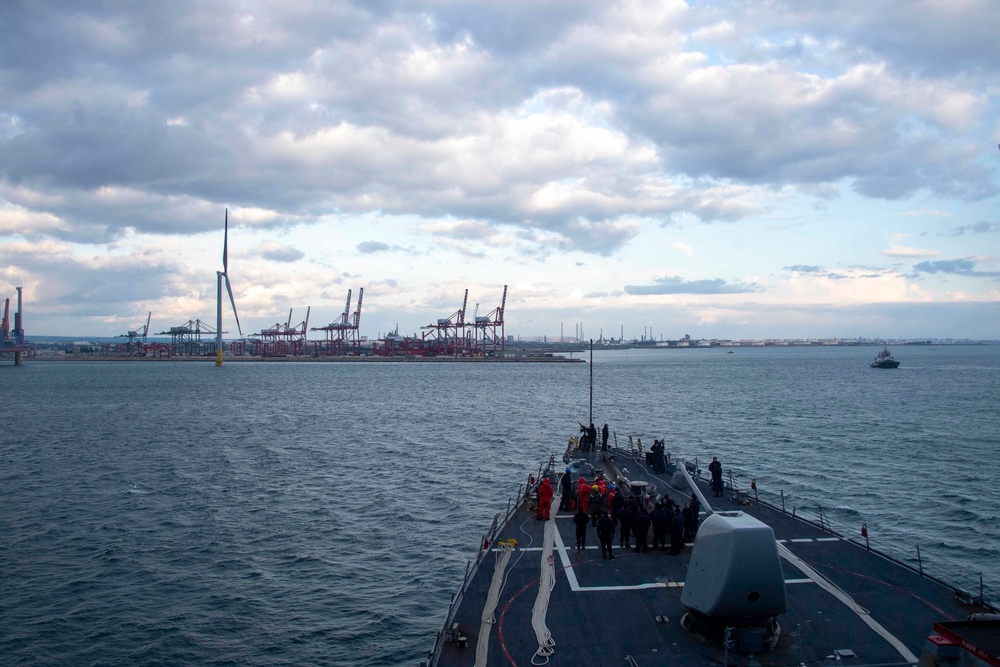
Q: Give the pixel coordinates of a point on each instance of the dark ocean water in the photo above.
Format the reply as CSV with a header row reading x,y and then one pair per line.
x,y
323,513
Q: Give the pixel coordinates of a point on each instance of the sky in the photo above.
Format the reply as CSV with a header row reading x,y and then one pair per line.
x,y
722,169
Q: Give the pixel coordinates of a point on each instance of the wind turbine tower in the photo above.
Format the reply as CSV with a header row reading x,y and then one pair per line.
x,y
224,273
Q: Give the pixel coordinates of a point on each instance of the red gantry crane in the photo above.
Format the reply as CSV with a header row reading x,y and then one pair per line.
x,y
282,339
449,336
489,329
343,335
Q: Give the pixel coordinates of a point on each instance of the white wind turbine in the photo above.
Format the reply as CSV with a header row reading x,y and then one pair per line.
x,y
224,273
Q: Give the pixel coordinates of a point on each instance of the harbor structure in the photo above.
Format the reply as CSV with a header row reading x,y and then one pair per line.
x,y
449,335
282,339
12,342
452,336
134,347
342,336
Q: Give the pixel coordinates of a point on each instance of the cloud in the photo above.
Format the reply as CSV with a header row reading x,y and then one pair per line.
x,y
925,213
906,252
372,247
683,247
677,285
980,227
493,137
279,252
961,267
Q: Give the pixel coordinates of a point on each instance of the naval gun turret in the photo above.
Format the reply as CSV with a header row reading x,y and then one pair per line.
x,y
735,587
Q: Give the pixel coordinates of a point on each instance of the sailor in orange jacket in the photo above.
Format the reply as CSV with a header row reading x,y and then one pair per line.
x,y
544,498
583,491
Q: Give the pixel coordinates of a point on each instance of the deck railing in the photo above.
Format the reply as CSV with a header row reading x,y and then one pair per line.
x,y
966,581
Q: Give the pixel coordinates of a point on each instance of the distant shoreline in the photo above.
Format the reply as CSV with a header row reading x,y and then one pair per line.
x,y
371,358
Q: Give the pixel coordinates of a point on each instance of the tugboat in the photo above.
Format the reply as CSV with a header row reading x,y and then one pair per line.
x,y
884,359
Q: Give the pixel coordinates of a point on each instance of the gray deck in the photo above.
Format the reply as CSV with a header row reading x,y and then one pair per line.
x,y
603,612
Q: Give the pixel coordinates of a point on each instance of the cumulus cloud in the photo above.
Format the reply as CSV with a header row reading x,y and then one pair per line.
x,y
962,267
279,252
371,247
512,133
980,227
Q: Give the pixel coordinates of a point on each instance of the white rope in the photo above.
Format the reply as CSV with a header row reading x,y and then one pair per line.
x,y
841,595
546,582
488,619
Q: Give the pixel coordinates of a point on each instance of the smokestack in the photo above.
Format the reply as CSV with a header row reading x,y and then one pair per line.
x,y
18,320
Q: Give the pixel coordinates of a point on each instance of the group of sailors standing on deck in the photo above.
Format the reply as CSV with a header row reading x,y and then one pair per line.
x,y
610,510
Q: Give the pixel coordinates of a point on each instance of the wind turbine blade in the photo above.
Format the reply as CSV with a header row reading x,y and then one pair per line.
x,y
225,247
229,288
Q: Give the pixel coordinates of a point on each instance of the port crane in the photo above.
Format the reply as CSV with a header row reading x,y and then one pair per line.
x,y
489,329
449,336
282,339
343,335
132,335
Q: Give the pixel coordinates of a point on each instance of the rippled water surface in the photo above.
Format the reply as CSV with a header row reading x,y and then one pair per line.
x,y
323,513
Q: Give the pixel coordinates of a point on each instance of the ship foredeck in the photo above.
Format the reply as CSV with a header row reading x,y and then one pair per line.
x,y
845,603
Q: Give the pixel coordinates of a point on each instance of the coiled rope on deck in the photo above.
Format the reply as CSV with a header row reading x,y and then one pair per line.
x,y
546,582
488,619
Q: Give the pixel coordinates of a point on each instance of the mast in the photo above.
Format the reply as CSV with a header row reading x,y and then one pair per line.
x,y
591,380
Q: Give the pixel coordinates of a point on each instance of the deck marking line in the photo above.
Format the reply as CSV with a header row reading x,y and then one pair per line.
x,y
827,539
574,585
842,595
661,584
802,539
540,548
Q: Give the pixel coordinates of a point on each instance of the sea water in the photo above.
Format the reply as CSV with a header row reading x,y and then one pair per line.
x,y
165,513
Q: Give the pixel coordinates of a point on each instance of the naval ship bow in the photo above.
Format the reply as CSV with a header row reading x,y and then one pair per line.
x,y
756,586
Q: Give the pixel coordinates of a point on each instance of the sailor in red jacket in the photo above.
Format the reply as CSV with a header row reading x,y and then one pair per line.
x,y
544,498
583,493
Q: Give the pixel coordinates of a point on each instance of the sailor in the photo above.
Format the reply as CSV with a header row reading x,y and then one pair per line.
x,y
602,484
676,532
604,438
592,434
624,517
659,462
689,518
583,493
660,518
605,534
545,492
581,520
595,504
566,488
641,529
715,467
617,502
